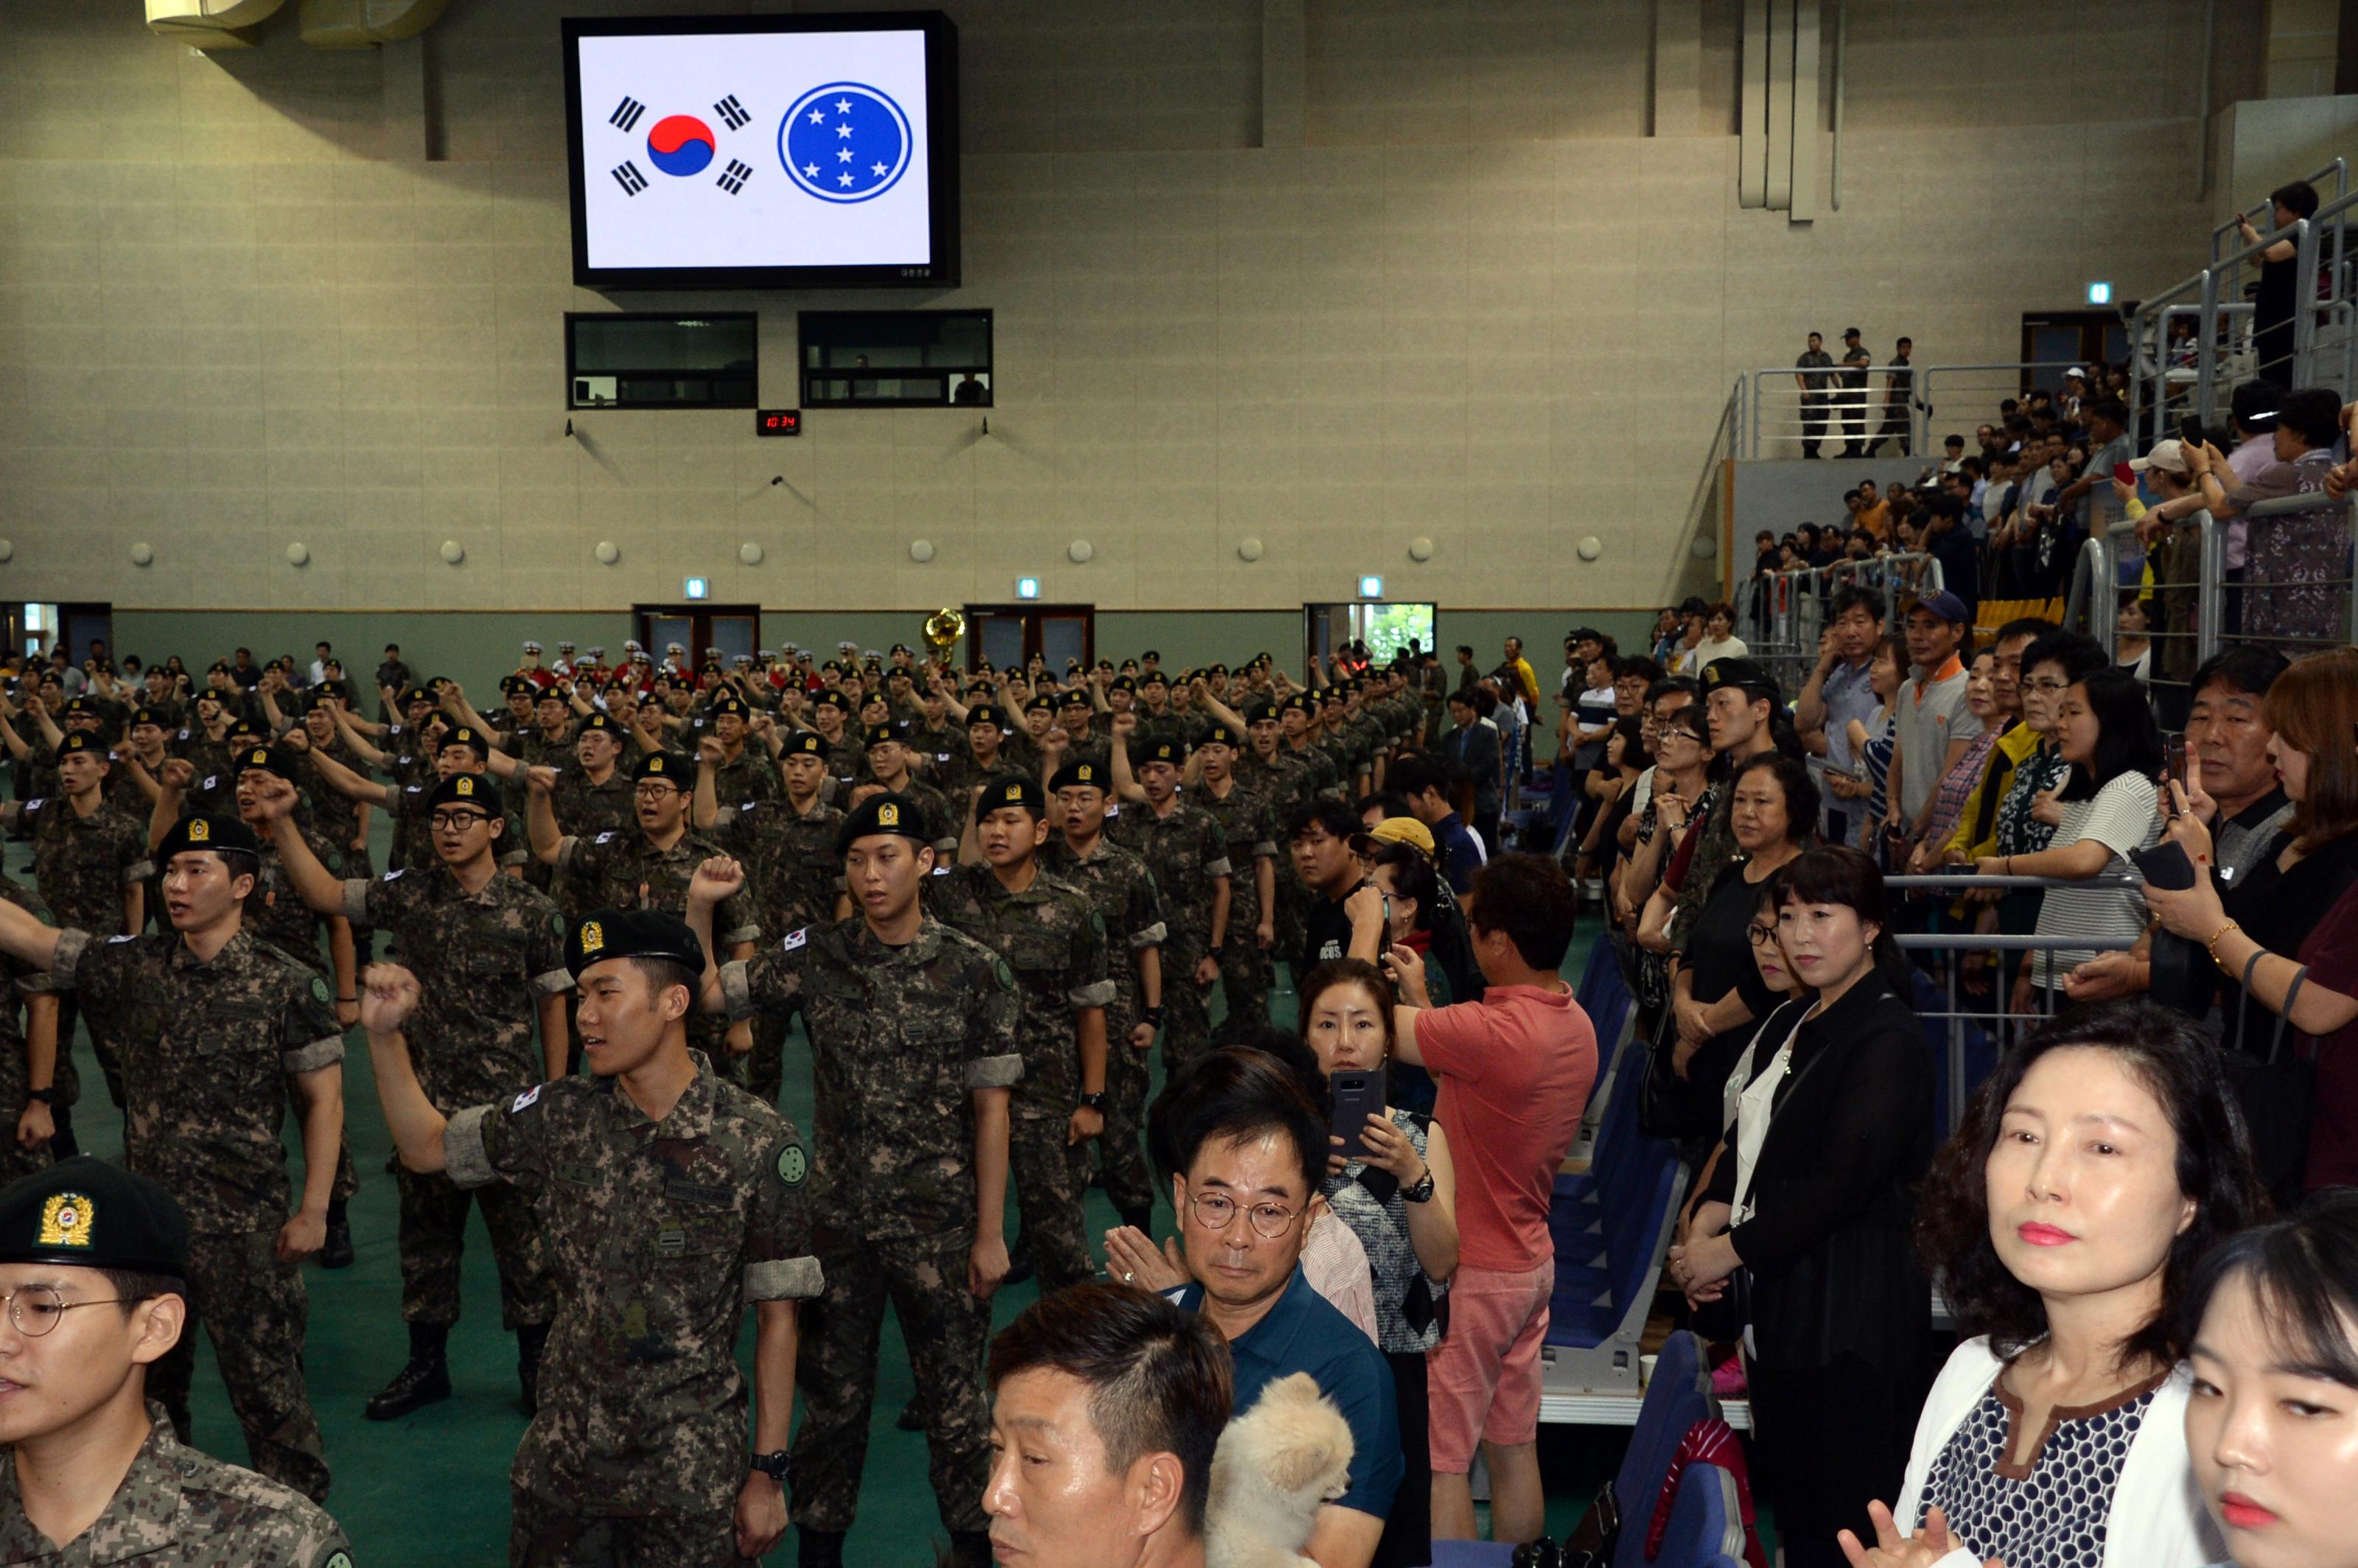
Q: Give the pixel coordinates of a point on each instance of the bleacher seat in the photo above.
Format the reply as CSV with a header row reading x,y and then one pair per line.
x,y
1611,1225
1604,995
1706,1525
1678,1396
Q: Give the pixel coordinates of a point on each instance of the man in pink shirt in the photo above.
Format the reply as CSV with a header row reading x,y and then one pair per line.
x,y
1515,1070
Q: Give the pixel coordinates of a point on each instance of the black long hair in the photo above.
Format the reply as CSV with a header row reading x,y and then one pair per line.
x,y
2214,1169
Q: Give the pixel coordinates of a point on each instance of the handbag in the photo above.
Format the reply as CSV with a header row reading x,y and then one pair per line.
x,y
2277,1094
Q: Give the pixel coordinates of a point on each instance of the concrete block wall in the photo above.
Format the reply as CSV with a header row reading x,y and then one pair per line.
x,y
1428,277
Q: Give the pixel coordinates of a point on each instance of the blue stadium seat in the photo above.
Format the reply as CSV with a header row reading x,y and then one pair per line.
x,y
1706,1528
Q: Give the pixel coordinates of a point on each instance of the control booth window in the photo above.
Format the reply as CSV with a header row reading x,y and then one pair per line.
x,y
621,361
901,359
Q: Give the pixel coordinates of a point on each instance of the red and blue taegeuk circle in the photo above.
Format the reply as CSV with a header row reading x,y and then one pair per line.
x,y
680,144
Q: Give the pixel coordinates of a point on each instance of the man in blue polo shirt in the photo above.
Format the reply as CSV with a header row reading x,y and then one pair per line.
x,y
1249,1150
1424,785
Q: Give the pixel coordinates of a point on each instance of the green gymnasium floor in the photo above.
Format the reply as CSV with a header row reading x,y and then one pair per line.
x,y
431,1491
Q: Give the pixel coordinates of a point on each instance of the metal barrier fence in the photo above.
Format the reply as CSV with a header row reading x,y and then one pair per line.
x,y
1779,417
1781,614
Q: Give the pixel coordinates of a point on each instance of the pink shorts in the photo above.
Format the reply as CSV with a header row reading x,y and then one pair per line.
x,y
1484,1379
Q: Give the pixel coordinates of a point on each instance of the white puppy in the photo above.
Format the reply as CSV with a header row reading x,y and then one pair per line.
x,y
1276,1466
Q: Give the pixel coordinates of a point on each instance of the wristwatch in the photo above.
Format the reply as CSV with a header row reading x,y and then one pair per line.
x,y
774,1465
1421,1192
1094,1100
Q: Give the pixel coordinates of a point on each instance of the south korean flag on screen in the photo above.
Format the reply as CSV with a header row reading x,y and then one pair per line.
x,y
755,149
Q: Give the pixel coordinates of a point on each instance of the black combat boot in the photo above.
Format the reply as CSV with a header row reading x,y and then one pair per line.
x,y
912,1417
337,1251
530,1340
425,1381
817,1548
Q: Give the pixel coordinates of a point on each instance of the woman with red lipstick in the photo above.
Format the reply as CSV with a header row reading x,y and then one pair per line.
x,y
2098,1165
2272,1419
1806,1219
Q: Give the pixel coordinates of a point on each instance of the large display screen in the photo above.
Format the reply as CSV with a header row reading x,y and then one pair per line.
x,y
763,152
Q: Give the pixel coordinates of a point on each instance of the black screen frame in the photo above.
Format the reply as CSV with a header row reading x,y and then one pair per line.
x,y
943,172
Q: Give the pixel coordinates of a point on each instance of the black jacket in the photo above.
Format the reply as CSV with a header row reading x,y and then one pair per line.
x,y
1830,1259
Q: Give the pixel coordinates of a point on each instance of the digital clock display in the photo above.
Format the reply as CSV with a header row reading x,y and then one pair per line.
x,y
777,422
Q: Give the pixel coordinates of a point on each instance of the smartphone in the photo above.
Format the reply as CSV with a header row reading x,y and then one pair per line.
x,y
2173,761
2124,473
1358,1096
2190,431
2165,866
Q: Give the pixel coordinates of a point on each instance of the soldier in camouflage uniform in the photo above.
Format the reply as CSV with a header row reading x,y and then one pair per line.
x,y
984,760
91,864
1248,823
1184,846
491,948
85,1233
1050,934
743,775
29,1057
461,750
276,914
888,765
214,1029
1123,891
795,876
1078,740
914,1049
671,1199
647,865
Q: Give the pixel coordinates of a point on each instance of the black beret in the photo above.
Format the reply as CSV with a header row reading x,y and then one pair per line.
x,y
1164,749
601,722
261,758
1153,677
804,744
87,1214
468,736
550,694
1750,678
662,766
836,701
1080,776
878,734
1040,704
82,740
466,789
1077,697
1023,791
224,835
986,713
415,693
729,705
1123,683
146,716
886,813
1261,713
632,934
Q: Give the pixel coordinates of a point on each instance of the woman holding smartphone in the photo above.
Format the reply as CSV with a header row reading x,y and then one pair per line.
x,y
1397,1189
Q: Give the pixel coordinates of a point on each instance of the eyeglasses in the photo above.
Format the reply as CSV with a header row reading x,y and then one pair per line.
x,y
654,791
1762,935
1215,1211
455,821
36,1309
2050,685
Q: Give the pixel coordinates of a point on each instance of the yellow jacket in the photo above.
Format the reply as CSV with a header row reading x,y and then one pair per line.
x,y
2013,746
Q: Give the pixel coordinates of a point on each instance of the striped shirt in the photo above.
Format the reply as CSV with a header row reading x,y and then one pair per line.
x,y
2121,816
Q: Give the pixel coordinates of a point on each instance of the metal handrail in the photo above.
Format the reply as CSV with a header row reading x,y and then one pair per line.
x,y
1925,406
2338,170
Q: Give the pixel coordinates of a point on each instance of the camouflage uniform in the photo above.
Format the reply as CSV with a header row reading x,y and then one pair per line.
x,y
214,788
900,1040
1054,939
1249,825
410,771
484,960
23,982
795,876
1187,852
964,774
276,914
208,1047
82,864
1118,884
750,778
176,1507
945,819
660,1233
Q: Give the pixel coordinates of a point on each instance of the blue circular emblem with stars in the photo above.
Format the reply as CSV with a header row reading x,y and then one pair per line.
x,y
844,142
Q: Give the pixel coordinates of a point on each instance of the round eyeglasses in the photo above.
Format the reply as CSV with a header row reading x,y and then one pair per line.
x,y
1217,1211
37,1309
